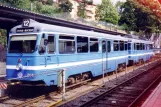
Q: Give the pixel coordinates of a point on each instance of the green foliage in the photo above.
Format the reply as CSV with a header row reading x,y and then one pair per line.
x,y
3,37
66,6
49,2
128,19
46,9
136,17
81,10
107,12
24,4
81,7
118,6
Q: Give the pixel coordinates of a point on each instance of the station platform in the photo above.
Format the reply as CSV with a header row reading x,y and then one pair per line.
x,y
154,100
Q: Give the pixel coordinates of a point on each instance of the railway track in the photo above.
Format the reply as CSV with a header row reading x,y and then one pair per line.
x,y
124,93
8,101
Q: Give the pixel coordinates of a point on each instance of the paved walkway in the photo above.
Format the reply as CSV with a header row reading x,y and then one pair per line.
x,y
2,68
154,100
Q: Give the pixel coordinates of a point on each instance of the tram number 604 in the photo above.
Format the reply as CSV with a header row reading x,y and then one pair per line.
x,y
26,23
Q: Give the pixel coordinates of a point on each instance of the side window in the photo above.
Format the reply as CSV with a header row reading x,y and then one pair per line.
x,y
103,46
125,45
116,46
138,46
66,44
121,45
42,46
109,46
82,44
51,44
129,46
143,46
134,46
93,45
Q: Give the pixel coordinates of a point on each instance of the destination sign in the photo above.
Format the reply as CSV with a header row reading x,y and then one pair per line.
x,y
26,23
23,30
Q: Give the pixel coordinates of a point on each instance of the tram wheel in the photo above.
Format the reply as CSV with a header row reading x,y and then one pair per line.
x,y
120,68
71,80
85,77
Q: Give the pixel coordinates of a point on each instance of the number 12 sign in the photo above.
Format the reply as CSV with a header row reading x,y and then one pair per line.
x,y
26,23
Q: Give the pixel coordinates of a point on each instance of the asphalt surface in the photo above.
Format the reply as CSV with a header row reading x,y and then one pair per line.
x,y
2,68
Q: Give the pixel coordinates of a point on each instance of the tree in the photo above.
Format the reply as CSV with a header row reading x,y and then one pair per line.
x,y
118,6
66,6
46,9
50,2
107,12
3,37
137,17
128,18
24,4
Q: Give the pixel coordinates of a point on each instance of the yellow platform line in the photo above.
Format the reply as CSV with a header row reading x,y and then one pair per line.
x,y
55,103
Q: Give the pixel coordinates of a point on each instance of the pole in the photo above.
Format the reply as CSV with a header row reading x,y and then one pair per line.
x,y
103,81
63,84
31,7
116,69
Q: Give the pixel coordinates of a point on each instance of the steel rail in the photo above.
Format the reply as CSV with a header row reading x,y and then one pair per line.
x,y
143,93
30,101
110,90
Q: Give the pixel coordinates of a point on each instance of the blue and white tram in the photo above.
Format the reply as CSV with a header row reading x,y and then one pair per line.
x,y
139,51
37,52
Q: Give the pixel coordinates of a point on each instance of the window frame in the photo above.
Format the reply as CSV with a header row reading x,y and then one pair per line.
x,y
105,50
70,39
108,46
54,44
123,44
116,42
81,42
95,40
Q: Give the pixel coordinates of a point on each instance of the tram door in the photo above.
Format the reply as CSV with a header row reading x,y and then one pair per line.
x,y
50,47
104,56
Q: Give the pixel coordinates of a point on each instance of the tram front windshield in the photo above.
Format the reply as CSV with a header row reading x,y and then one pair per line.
x,y
22,43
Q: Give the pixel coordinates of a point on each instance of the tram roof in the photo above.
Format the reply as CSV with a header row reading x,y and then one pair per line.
x,y
41,27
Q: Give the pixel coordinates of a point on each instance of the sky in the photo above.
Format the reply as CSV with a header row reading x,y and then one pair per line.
x,y
99,1
115,1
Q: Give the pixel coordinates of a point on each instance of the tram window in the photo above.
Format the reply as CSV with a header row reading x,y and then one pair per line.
x,y
103,46
143,46
137,46
134,46
129,46
93,45
22,44
66,44
82,44
125,45
116,46
121,45
109,46
51,44
42,46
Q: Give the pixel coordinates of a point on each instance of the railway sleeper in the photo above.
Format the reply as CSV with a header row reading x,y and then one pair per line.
x,y
121,96
118,101
128,94
131,88
131,91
